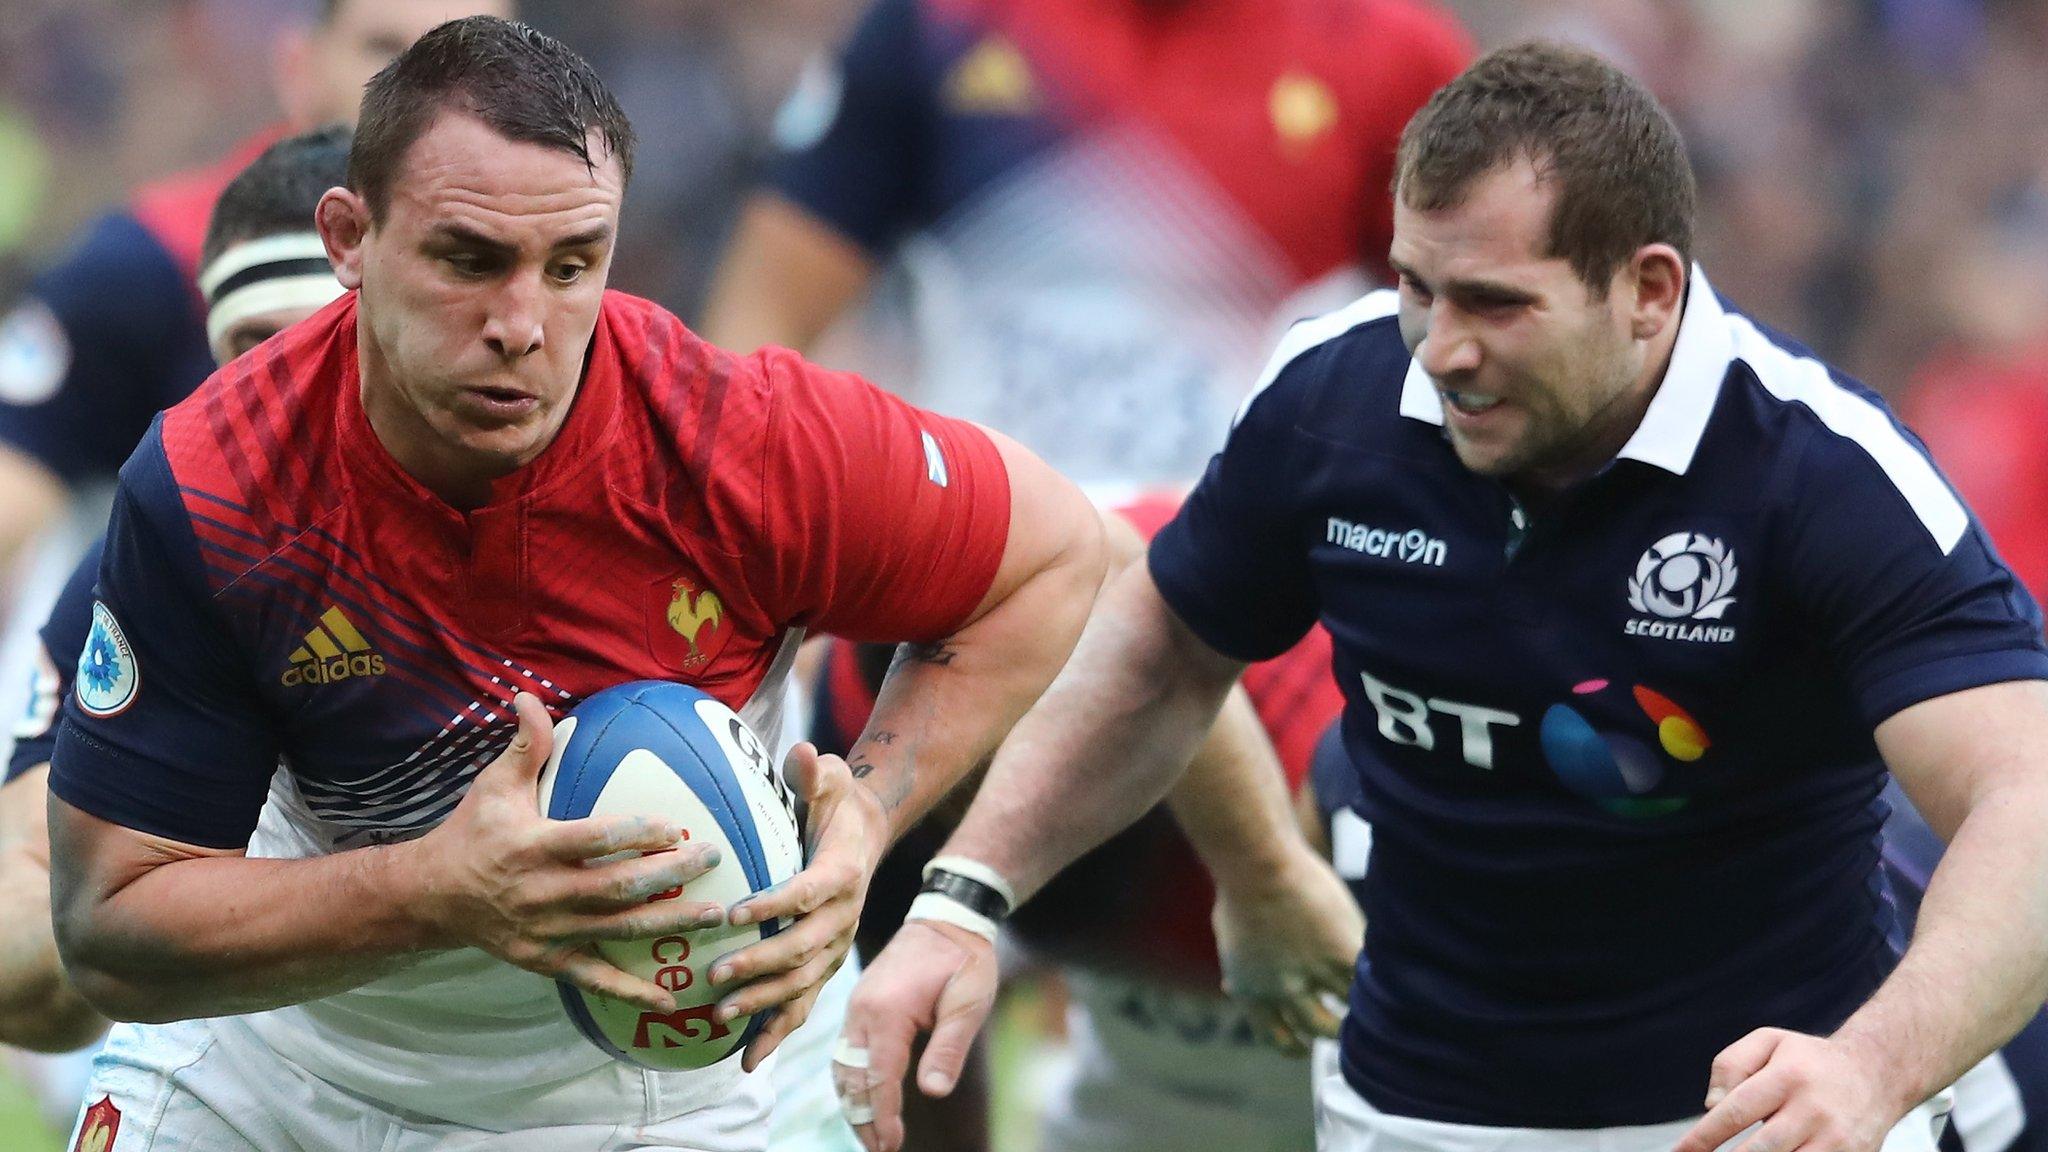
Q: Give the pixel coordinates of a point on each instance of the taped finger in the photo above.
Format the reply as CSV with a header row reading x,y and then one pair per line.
x,y
849,1054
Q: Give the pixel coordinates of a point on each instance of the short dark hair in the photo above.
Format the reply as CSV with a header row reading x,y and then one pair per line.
x,y
1602,142
279,190
526,85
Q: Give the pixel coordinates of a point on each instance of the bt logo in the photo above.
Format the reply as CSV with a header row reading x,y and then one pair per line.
x,y
1612,769
1405,719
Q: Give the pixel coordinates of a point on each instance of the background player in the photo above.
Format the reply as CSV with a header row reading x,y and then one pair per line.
x,y
463,431
1099,207
1624,833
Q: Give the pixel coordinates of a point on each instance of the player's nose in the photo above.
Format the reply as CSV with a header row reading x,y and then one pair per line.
x,y
1447,350
514,324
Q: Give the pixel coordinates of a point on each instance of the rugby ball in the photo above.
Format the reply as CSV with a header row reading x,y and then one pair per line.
x,y
651,748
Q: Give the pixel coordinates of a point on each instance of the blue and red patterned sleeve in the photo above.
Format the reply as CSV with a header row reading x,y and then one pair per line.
x,y
164,731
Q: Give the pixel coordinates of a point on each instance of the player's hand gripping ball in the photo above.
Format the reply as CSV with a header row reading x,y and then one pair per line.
x,y
652,748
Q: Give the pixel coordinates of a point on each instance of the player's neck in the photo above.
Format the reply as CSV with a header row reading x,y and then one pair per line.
x,y
1609,432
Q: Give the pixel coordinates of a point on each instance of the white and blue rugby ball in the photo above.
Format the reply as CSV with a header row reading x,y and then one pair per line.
x,y
651,748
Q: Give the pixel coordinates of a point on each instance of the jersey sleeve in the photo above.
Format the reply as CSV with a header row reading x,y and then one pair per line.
x,y
84,357
164,731
1901,583
1232,564
885,522
57,647
851,130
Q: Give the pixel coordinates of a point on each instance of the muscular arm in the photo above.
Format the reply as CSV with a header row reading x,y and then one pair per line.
x,y
1107,742
152,929
39,1009
785,278
1978,966
940,713
155,930
944,707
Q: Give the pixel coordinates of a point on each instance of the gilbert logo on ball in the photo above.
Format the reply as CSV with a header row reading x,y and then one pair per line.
x,y
652,748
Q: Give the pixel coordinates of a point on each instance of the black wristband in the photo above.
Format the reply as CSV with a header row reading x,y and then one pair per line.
x,y
969,893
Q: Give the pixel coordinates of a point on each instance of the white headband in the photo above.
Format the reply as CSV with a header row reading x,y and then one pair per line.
x,y
276,272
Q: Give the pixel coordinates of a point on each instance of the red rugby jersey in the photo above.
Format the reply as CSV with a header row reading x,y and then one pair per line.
x,y
276,586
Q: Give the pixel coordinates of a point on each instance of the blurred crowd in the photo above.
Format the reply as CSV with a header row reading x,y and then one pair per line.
x,y
1874,172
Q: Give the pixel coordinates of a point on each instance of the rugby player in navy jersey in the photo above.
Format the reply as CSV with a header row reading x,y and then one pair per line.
x,y
1634,603
264,269
380,551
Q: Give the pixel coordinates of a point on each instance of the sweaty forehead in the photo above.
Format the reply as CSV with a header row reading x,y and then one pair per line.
x,y
1500,229
461,170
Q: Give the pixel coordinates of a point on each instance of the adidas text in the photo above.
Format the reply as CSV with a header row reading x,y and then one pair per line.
x,y
328,671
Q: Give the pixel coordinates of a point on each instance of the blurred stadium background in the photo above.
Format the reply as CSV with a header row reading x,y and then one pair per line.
x,y
1874,177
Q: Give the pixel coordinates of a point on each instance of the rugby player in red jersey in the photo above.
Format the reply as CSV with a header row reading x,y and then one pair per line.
x,y
387,546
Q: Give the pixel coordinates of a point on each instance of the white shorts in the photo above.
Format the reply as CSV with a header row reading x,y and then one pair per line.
x,y
1156,1068
807,1117
1346,1123
212,1086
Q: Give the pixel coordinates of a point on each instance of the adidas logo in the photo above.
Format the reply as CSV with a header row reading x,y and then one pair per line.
x,y
333,650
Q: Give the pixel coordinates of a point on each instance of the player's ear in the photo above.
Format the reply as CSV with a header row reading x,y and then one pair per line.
x,y
1659,275
344,222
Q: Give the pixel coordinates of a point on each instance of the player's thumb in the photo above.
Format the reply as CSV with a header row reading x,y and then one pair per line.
x,y
812,776
521,762
963,1008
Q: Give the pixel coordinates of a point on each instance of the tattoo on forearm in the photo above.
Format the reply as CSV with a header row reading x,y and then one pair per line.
x,y
890,792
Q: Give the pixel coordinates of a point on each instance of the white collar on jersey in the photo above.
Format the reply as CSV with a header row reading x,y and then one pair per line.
x,y
1677,417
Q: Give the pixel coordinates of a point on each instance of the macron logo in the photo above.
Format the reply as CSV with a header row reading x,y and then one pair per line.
x,y
1411,547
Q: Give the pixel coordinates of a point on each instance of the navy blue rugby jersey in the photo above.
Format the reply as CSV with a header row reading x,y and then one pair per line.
x,y
1617,759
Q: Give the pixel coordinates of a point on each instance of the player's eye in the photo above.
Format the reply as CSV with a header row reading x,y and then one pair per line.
x,y
463,263
568,273
1414,287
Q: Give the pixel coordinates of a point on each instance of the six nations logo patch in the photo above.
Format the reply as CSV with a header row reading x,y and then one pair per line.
x,y
1683,579
107,675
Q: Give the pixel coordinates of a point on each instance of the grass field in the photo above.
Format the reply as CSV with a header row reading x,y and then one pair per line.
x,y
21,1126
